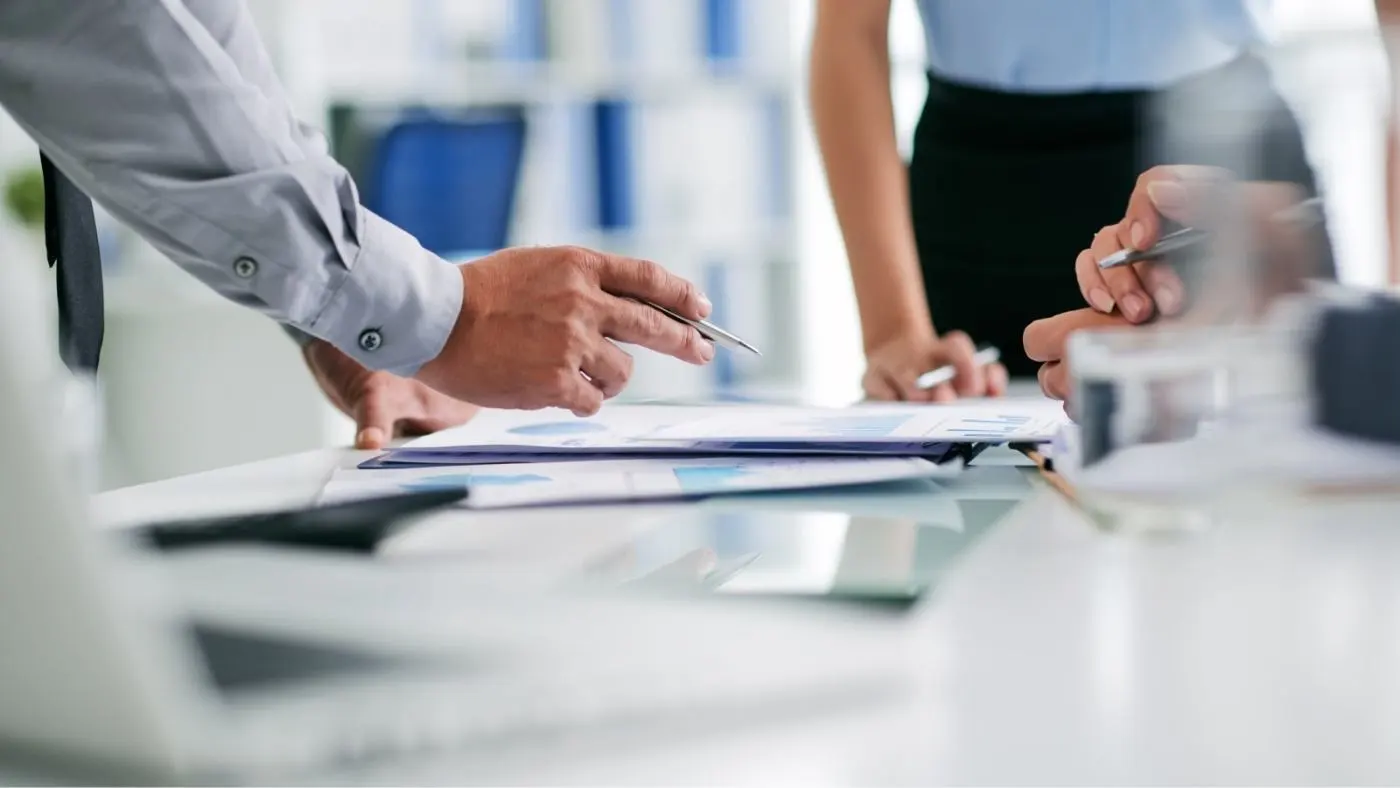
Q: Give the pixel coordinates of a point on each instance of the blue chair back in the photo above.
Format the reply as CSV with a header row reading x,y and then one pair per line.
x,y
450,180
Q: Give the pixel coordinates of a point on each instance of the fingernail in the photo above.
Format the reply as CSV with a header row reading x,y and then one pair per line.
x,y
1101,300
1167,195
1167,300
1135,307
705,306
369,438
707,351
1138,235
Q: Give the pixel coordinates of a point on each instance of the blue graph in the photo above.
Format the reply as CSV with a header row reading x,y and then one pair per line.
x,y
457,480
710,478
559,428
990,429
854,427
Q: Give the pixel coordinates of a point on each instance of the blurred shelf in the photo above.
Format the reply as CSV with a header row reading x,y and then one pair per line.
x,y
551,83
763,241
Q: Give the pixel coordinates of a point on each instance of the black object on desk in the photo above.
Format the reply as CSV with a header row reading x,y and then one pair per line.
x,y
354,526
1356,370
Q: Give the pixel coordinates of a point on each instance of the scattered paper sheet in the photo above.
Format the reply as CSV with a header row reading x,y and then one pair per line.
x,y
500,486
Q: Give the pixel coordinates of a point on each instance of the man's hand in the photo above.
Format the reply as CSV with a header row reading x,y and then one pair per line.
x,y
893,367
1046,341
384,406
538,326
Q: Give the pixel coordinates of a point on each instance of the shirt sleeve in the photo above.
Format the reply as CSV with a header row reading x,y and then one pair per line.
x,y
231,25
139,105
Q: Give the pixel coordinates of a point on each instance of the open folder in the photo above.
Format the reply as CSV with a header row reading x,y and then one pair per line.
x,y
938,433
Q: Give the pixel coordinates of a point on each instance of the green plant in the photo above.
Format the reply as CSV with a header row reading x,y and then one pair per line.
x,y
24,196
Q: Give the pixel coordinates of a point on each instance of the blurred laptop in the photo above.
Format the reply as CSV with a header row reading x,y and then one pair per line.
x,y
226,662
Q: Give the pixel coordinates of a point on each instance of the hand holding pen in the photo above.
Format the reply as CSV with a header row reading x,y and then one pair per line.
x,y
924,367
1121,271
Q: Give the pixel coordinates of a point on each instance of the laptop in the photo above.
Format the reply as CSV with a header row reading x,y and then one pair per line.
x,y
253,662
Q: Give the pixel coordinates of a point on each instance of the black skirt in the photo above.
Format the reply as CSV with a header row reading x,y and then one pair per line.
x,y
1006,189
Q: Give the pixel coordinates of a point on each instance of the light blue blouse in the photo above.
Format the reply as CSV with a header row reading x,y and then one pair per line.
x,y
1056,46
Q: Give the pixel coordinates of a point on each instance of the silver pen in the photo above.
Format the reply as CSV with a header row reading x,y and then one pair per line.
x,y
945,374
708,330
1304,213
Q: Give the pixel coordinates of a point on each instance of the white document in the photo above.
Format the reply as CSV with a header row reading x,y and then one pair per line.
x,y
500,486
680,427
612,427
974,421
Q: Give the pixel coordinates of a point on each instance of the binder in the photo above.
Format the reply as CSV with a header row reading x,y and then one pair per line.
x,y
612,127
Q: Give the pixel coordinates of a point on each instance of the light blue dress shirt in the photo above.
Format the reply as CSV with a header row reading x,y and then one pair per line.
x,y
1064,46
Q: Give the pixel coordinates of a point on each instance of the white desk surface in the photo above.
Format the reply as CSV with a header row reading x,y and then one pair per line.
x,y
1263,649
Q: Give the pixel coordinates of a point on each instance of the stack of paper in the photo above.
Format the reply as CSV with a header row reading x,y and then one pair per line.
x,y
937,433
656,452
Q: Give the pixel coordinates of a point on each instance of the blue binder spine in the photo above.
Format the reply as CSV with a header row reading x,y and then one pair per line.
x,y
612,126
723,31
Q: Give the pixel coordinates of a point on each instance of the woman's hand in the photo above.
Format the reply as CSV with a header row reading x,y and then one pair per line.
x,y
893,369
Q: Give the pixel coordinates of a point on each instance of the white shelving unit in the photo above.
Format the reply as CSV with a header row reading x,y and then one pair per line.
x,y
709,133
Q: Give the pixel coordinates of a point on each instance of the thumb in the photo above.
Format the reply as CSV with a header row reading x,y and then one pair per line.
x,y
1185,191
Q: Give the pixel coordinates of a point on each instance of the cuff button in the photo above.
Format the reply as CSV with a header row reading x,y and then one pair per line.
x,y
371,340
245,268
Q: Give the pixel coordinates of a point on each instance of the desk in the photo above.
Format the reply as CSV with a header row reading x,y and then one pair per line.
x,y
1265,649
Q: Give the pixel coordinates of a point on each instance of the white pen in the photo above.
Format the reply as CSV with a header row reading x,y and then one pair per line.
x,y
1303,214
708,330
945,374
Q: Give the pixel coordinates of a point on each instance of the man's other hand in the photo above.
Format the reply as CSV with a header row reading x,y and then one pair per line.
x,y
384,406
540,328
1046,342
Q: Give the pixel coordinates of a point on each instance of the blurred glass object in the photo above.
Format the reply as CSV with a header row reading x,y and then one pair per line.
x,y
1215,404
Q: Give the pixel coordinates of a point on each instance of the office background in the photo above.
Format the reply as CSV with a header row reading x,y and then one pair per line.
x,y
672,130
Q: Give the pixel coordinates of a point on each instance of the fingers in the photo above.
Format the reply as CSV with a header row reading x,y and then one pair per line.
x,y
878,387
637,324
889,385
958,350
608,367
1091,282
942,393
1170,191
1142,226
998,379
374,416
1122,282
644,279
1165,285
1045,339
1054,380
579,395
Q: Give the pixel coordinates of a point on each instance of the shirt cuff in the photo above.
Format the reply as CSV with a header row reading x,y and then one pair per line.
x,y
396,306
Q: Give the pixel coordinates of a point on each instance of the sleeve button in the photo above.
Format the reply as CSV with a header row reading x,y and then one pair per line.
x,y
245,268
371,340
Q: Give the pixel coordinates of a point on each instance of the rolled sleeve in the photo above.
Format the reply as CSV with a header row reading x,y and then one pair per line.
x,y
396,305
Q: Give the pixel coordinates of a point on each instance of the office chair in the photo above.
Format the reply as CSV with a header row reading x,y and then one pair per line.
x,y
450,180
